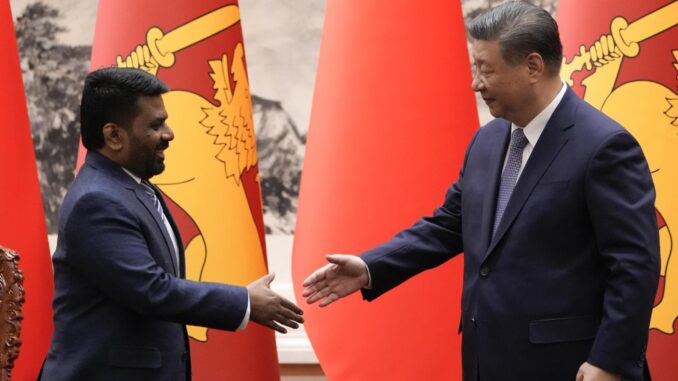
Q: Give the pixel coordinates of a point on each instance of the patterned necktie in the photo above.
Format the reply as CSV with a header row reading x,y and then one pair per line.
x,y
510,175
148,188
156,203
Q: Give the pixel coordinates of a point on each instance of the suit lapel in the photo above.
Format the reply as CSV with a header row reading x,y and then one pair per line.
x,y
145,200
103,164
551,141
495,159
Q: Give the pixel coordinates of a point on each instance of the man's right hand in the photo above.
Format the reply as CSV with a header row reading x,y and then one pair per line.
x,y
270,309
342,276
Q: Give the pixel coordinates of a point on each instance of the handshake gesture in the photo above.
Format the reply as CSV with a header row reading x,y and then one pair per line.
x,y
342,276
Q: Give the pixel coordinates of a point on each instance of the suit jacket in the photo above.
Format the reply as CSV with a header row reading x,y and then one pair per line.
x,y
119,309
572,270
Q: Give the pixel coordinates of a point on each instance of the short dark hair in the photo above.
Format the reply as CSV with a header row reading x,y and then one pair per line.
x,y
521,29
110,96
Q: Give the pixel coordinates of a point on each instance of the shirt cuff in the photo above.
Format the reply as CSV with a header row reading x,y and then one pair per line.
x,y
246,318
369,277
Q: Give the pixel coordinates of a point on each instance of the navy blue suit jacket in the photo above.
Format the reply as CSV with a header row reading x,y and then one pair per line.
x,y
570,274
119,309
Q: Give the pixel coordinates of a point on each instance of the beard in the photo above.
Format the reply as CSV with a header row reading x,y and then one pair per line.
x,y
145,161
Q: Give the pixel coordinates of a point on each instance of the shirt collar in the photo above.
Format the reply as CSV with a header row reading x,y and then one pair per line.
x,y
132,175
536,126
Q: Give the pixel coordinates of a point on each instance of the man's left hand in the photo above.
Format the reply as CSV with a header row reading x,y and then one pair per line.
x,y
588,372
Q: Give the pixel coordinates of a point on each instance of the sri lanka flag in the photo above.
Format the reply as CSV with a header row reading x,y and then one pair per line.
x,y
622,57
211,178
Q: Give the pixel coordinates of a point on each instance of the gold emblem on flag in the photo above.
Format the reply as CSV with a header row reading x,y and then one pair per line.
x,y
214,146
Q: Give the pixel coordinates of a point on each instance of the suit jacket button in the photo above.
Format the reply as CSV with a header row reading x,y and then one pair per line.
x,y
184,356
484,271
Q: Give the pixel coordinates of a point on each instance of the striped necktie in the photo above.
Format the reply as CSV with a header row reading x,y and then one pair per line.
x,y
150,192
156,203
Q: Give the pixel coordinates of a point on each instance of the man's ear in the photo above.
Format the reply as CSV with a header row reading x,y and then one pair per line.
x,y
535,66
115,136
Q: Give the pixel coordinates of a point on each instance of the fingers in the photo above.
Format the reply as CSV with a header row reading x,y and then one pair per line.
x,y
292,307
321,293
287,314
274,326
330,299
317,276
337,259
146,53
313,288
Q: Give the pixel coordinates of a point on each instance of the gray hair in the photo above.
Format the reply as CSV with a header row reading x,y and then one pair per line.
x,y
521,29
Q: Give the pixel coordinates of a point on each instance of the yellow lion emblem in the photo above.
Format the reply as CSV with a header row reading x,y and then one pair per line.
x,y
214,146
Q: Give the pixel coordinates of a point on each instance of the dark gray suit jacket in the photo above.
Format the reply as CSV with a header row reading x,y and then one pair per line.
x,y
570,274
119,309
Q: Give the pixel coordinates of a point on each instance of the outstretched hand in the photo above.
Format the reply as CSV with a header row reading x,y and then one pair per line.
x,y
342,276
270,309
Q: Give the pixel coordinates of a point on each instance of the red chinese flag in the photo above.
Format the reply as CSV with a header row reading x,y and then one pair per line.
x,y
22,221
621,56
211,174
392,115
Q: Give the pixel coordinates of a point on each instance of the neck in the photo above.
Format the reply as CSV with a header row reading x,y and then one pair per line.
x,y
116,157
544,93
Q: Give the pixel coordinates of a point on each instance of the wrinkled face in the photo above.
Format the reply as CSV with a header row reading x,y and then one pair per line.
x,y
504,86
149,136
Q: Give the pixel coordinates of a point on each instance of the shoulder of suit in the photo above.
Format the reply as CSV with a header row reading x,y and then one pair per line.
x,y
594,123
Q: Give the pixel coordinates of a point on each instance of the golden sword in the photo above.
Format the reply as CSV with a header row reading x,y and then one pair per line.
x,y
160,47
625,37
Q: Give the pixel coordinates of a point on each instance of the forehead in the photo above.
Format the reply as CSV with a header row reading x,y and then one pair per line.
x,y
483,51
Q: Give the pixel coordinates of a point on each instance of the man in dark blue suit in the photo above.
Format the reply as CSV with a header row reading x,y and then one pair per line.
x,y
121,301
554,211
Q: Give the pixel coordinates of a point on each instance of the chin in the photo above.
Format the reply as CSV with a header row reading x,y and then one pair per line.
x,y
157,169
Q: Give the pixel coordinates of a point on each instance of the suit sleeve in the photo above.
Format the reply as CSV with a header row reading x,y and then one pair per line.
x,y
106,245
430,242
620,197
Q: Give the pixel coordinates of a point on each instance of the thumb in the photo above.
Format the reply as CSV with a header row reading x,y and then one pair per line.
x,y
338,259
268,279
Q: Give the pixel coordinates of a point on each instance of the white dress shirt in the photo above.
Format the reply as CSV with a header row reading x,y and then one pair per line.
x,y
535,127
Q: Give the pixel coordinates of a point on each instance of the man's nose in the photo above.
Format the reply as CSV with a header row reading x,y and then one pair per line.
x,y
168,134
476,83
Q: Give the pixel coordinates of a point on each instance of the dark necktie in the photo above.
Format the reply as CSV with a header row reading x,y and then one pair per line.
x,y
509,176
